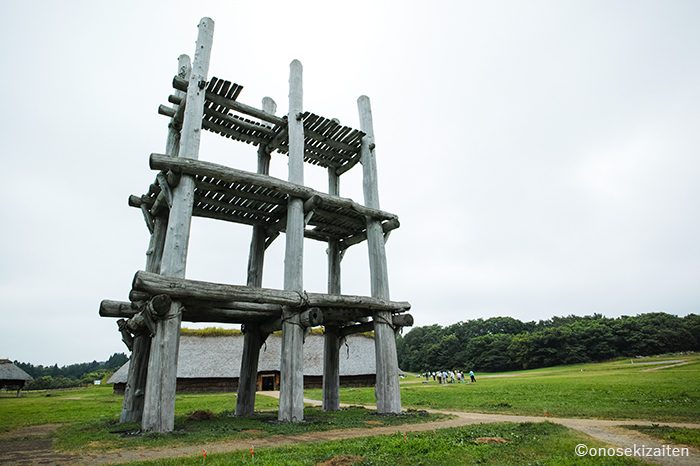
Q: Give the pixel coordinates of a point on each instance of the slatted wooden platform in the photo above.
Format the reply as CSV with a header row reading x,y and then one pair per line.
x,y
327,143
252,203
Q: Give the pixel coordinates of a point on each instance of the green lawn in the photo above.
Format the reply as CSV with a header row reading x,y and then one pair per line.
x,y
616,390
98,403
534,444
676,435
89,417
621,389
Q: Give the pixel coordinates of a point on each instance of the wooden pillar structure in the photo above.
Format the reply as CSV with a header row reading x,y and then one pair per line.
x,y
161,297
159,403
387,384
291,407
253,336
331,338
135,390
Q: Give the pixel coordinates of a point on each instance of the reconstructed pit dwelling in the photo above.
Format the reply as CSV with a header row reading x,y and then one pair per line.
x,y
161,296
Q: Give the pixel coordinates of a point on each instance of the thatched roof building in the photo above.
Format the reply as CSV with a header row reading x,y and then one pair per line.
x,y
11,376
212,363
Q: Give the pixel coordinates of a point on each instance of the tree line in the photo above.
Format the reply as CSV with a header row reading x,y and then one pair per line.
x,y
73,375
505,343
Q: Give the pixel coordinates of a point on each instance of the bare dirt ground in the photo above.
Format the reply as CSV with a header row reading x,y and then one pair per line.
x,y
33,445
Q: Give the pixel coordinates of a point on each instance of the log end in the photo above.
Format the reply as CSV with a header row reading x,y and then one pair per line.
x,y
161,304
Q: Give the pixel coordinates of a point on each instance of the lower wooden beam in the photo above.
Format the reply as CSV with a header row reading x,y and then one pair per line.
x,y
401,320
183,289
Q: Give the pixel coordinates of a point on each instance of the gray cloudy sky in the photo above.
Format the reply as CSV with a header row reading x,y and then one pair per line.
x,y
542,156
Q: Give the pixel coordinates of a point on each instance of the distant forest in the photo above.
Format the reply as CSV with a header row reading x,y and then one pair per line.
x,y
504,343
72,375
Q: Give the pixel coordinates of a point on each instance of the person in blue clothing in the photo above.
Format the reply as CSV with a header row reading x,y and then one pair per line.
x,y
471,376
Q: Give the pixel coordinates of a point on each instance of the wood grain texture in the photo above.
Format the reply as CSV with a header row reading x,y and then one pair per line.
x,y
232,175
159,405
387,383
291,404
331,341
253,337
187,290
134,393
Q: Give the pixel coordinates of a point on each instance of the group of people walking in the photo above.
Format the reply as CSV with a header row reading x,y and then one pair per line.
x,y
449,376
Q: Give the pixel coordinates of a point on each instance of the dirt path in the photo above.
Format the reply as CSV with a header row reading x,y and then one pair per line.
x,y
32,445
676,364
607,431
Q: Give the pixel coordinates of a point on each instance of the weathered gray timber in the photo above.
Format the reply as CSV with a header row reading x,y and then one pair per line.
x,y
159,405
401,320
387,386
253,338
161,297
387,227
307,319
196,313
234,312
331,341
182,85
291,403
132,405
185,289
231,175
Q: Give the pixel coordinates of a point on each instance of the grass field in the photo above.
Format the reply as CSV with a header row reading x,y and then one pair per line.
x,y
98,404
655,388
620,389
676,435
90,418
534,444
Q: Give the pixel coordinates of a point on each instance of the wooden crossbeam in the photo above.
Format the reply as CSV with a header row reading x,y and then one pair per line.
x,y
181,288
198,167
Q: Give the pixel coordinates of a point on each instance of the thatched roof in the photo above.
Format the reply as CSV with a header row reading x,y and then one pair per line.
x,y
9,371
220,357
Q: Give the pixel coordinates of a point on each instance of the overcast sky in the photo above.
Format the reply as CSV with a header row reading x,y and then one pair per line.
x,y
542,156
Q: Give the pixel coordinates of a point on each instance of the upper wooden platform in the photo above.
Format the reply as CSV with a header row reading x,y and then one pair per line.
x,y
327,143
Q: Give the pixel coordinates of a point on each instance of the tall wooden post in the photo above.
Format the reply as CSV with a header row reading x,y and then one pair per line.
x,y
159,403
253,338
292,360
132,406
331,340
387,384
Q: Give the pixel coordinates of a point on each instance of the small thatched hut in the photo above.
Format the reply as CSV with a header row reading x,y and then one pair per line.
x,y
12,377
212,363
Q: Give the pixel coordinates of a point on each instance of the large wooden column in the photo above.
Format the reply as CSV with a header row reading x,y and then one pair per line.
x,y
132,406
159,404
253,338
135,390
331,339
387,384
292,360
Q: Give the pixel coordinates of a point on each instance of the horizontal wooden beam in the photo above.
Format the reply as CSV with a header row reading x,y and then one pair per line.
x,y
198,167
137,201
180,288
309,318
402,320
120,309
